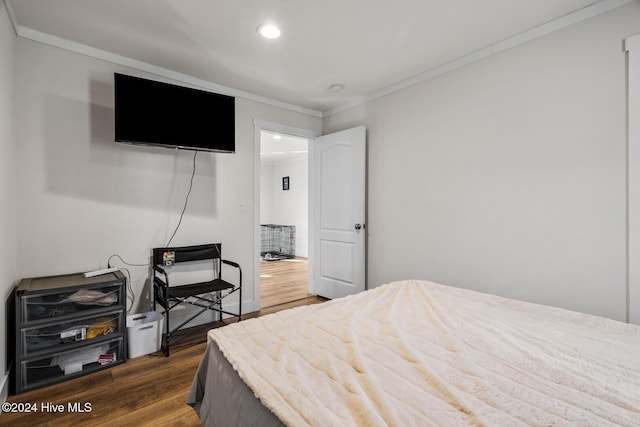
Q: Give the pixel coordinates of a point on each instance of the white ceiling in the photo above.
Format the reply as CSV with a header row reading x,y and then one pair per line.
x,y
278,147
369,46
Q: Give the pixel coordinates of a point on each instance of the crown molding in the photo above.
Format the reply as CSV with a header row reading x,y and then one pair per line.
x,y
12,16
86,50
567,20
516,40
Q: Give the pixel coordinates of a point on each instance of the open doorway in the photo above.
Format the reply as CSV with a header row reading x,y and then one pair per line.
x,y
284,218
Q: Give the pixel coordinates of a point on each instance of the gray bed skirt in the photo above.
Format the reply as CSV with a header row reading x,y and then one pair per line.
x,y
221,398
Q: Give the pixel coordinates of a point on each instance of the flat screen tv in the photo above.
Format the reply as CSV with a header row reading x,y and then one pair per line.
x,y
153,113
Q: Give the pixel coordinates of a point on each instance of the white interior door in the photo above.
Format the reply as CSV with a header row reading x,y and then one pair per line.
x,y
338,207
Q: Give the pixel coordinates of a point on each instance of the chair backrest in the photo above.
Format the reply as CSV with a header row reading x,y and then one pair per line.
x,y
187,253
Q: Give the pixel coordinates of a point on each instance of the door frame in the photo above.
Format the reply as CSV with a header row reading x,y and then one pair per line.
x,y
258,127
632,306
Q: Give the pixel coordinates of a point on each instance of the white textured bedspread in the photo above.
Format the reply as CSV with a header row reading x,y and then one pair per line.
x,y
416,353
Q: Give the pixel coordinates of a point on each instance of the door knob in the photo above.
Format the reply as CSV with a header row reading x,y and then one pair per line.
x,y
359,226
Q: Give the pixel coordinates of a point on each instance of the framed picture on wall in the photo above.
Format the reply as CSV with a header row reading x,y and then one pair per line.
x,y
285,182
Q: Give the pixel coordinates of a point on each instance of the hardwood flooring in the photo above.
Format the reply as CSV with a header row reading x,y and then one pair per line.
x,y
146,391
283,281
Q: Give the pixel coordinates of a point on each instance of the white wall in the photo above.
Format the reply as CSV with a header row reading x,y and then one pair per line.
x,y
507,175
83,197
8,273
267,193
289,207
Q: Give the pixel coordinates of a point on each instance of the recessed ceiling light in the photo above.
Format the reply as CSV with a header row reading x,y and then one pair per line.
x,y
336,88
269,31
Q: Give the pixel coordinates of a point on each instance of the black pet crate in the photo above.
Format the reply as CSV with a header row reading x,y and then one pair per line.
x,y
277,241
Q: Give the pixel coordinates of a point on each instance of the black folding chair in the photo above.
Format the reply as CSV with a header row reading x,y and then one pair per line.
x,y
207,294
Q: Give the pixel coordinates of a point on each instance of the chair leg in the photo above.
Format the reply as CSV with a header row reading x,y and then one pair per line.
x,y
165,343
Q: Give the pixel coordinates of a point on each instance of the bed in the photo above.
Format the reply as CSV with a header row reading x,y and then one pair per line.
x,y
418,353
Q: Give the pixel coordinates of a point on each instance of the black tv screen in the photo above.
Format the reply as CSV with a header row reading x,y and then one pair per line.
x,y
154,113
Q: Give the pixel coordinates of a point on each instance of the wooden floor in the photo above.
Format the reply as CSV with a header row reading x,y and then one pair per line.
x,y
146,391
283,281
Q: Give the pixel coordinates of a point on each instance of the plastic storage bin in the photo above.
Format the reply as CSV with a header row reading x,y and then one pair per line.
x,y
65,326
144,333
